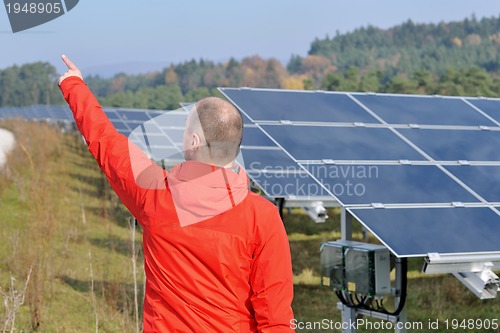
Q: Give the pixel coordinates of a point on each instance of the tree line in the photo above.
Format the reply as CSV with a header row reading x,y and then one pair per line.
x,y
410,47
457,58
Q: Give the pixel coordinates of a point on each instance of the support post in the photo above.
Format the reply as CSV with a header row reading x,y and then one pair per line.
x,y
348,317
348,314
403,317
345,224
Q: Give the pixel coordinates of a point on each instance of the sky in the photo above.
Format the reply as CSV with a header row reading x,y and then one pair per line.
x,y
122,35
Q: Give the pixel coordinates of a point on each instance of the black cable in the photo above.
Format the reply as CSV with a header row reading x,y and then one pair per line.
x,y
404,285
354,305
357,299
341,298
361,302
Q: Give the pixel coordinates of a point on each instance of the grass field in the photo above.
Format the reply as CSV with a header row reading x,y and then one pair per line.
x,y
61,221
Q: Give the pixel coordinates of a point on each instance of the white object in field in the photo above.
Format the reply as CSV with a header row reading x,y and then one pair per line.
x,y
7,143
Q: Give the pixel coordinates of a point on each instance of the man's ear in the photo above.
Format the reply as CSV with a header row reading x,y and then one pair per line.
x,y
195,141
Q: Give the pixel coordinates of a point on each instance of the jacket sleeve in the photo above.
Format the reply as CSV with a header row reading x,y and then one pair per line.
x,y
271,278
121,161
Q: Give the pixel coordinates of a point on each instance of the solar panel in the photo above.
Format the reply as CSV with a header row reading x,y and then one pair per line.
x,y
417,232
111,114
161,137
132,115
38,112
120,125
265,159
341,143
489,106
456,145
421,173
253,136
280,105
483,180
390,184
423,110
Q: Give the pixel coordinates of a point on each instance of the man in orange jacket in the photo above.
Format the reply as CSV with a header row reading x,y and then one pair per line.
x,y
216,256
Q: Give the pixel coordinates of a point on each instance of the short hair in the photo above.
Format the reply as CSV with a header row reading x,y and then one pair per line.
x,y
222,126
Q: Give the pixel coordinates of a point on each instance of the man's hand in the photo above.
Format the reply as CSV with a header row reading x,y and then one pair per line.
x,y
72,70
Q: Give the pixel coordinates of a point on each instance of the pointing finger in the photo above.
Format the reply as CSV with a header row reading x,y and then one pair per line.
x,y
69,63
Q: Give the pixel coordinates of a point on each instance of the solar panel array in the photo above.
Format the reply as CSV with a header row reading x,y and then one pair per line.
x,y
38,112
157,133
422,173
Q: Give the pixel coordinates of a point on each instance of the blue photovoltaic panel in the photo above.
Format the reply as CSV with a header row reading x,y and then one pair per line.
x,y
484,180
62,112
489,106
36,112
246,120
151,127
158,146
158,140
152,114
423,110
265,159
253,136
170,119
111,114
120,125
417,232
298,106
176,135
341,143
140,116
389,184
455,145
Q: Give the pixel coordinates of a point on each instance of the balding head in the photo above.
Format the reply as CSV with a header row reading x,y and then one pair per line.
x,y
219,126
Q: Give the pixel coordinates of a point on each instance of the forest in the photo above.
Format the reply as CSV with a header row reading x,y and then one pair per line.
x,y
456,58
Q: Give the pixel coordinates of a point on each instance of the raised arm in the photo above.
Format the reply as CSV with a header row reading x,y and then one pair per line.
x,y
121,161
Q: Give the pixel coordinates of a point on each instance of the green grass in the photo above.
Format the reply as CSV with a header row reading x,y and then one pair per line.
x,y
42,226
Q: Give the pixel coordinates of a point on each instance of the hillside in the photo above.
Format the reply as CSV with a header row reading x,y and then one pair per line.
x,y
410,47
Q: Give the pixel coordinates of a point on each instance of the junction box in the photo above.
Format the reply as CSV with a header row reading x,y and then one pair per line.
x,y
360,268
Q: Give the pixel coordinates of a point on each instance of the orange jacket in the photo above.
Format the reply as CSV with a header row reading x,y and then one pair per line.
x,y
216,256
